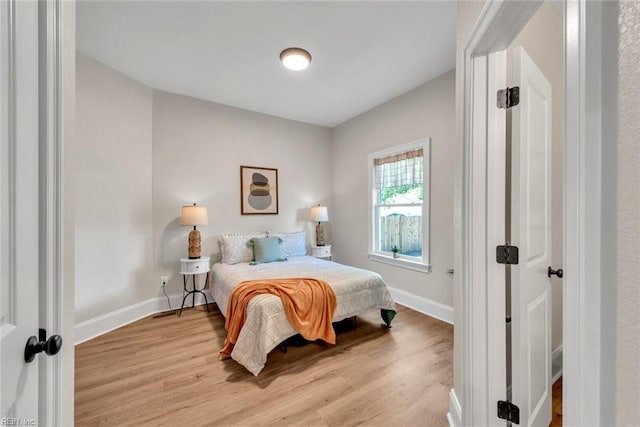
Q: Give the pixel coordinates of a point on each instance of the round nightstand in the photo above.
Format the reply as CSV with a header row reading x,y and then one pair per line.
x,y
323,252
193,267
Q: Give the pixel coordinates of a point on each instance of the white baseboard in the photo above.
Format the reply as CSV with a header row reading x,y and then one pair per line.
x,y
97,326
556,364
454,416
422,305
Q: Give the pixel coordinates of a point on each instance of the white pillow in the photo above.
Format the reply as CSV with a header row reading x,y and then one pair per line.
x,y
293,244
234,249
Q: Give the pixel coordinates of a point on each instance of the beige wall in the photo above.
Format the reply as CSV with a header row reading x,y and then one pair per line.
x,y
68,14
198,148
628,217
427,111
142,154
112,164
542,38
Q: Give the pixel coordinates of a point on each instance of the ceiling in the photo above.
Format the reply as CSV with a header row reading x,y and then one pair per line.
x,y
364,53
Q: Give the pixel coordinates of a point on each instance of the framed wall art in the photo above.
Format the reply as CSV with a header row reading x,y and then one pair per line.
x,y
258,191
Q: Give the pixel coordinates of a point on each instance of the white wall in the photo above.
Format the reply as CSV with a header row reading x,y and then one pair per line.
x,y
112,164
542,38
198,148
427,111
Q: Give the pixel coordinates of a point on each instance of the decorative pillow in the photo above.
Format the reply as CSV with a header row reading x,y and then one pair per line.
x,y
293,244
266,249
234,249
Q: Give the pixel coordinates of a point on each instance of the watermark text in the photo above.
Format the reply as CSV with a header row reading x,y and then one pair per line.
x,y
17,422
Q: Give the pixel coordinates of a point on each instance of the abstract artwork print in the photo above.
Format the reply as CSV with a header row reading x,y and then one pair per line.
x,y
258,190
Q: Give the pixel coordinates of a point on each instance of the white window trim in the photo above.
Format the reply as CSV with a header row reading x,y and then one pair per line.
x,y
422,265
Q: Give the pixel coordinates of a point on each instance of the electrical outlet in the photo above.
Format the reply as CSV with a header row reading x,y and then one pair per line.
x,y
163,281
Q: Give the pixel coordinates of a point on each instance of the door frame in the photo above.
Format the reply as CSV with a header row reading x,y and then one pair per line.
x,y
473,399
51,211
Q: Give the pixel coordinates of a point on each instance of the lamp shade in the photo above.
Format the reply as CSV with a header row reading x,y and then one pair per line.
x,y
194,215
319,214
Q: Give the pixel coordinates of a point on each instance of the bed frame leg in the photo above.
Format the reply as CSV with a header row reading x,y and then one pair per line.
x,y
387,316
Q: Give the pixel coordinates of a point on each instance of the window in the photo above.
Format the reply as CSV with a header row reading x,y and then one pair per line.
x,y
399,189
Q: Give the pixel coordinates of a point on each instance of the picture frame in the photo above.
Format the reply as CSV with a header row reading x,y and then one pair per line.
x,y
258,190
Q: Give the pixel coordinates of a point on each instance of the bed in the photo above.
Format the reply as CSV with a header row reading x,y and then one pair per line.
x,y
266,326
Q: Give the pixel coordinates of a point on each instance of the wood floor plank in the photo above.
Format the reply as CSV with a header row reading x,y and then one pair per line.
x,y
556,405
164,372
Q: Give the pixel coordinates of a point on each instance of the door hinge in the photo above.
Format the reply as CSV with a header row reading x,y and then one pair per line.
x,y
506,254
508,97
508,411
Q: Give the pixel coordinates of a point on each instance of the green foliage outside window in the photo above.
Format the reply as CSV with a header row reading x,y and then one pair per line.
x,y
414,191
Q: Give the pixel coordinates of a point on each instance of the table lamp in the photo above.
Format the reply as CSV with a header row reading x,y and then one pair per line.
x,y
194,215
319,214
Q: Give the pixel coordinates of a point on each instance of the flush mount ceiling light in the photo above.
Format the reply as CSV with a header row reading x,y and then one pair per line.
x,y
295,58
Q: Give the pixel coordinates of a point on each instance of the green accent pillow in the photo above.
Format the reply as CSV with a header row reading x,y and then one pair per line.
x,y
266,249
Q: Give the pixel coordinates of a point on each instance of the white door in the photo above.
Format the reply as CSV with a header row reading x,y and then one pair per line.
x,y
18,210
531,232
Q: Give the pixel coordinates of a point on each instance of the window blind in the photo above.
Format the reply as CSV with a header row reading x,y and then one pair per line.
x,y
399,169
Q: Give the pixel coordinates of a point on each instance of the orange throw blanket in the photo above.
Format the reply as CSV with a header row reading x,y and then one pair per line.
x,y
308,303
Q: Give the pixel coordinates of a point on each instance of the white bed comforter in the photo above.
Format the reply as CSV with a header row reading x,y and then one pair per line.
x,y
266,326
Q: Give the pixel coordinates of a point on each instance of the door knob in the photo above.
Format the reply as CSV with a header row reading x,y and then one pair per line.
x,y
558,272
50,346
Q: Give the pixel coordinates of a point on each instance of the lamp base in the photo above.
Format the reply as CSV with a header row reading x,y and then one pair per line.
x,y
194,244
319,235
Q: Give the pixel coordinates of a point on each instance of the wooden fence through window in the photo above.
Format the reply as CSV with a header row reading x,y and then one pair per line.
x,y
402,231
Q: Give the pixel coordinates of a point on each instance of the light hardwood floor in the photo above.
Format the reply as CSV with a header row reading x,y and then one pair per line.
x,y
165,371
